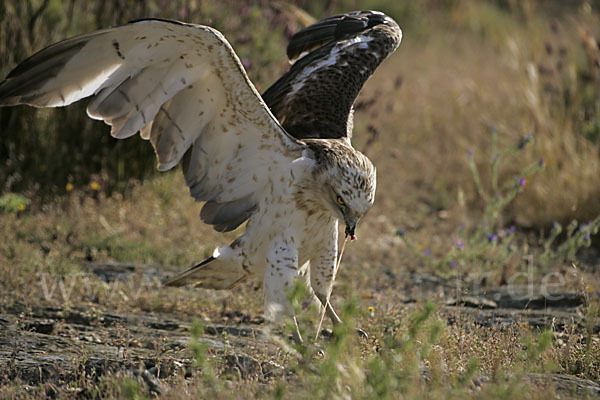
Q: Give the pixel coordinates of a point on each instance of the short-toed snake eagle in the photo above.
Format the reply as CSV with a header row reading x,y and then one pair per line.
x,y
287,166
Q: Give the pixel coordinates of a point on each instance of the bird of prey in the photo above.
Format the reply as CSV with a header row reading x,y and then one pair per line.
x,y
286,167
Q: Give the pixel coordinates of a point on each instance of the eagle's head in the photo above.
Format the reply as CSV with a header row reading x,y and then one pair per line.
x,y
346,180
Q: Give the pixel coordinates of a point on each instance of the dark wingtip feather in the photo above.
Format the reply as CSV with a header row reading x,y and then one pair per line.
x,y
52,56
333,28
23,83
321,33
5,97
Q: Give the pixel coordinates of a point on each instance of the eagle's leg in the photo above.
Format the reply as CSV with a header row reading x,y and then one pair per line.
x,y
280,273
335,319
322,272
322,284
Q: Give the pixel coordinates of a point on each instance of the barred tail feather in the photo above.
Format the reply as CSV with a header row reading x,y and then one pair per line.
x,y
211,273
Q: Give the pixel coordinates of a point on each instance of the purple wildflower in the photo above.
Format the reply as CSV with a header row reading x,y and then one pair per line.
x,y
427,253
541,162
512,229
453,264
587,237
524,141
400,232
522,182
246,63
492,237
470,153
460,244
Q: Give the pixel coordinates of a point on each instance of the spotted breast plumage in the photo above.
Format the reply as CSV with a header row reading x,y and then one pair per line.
x,y
286,167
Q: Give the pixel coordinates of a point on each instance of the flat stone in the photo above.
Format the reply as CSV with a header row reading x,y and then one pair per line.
x,y
473,302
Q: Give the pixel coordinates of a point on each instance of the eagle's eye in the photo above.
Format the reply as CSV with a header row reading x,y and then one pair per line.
x,y
340,201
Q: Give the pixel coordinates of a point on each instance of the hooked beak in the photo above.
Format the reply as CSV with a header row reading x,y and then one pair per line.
x,y
350,227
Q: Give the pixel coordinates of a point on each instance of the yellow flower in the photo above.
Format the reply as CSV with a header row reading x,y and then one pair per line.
x,y
371,309
95,186
21,207
69,187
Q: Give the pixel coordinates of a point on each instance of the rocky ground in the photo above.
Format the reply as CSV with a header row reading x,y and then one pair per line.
x,y
56,346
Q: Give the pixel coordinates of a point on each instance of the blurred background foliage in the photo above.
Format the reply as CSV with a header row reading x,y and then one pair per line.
x,y
552,90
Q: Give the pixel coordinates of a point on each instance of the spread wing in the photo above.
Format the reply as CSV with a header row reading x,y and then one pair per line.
x,y
332,59
184,89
